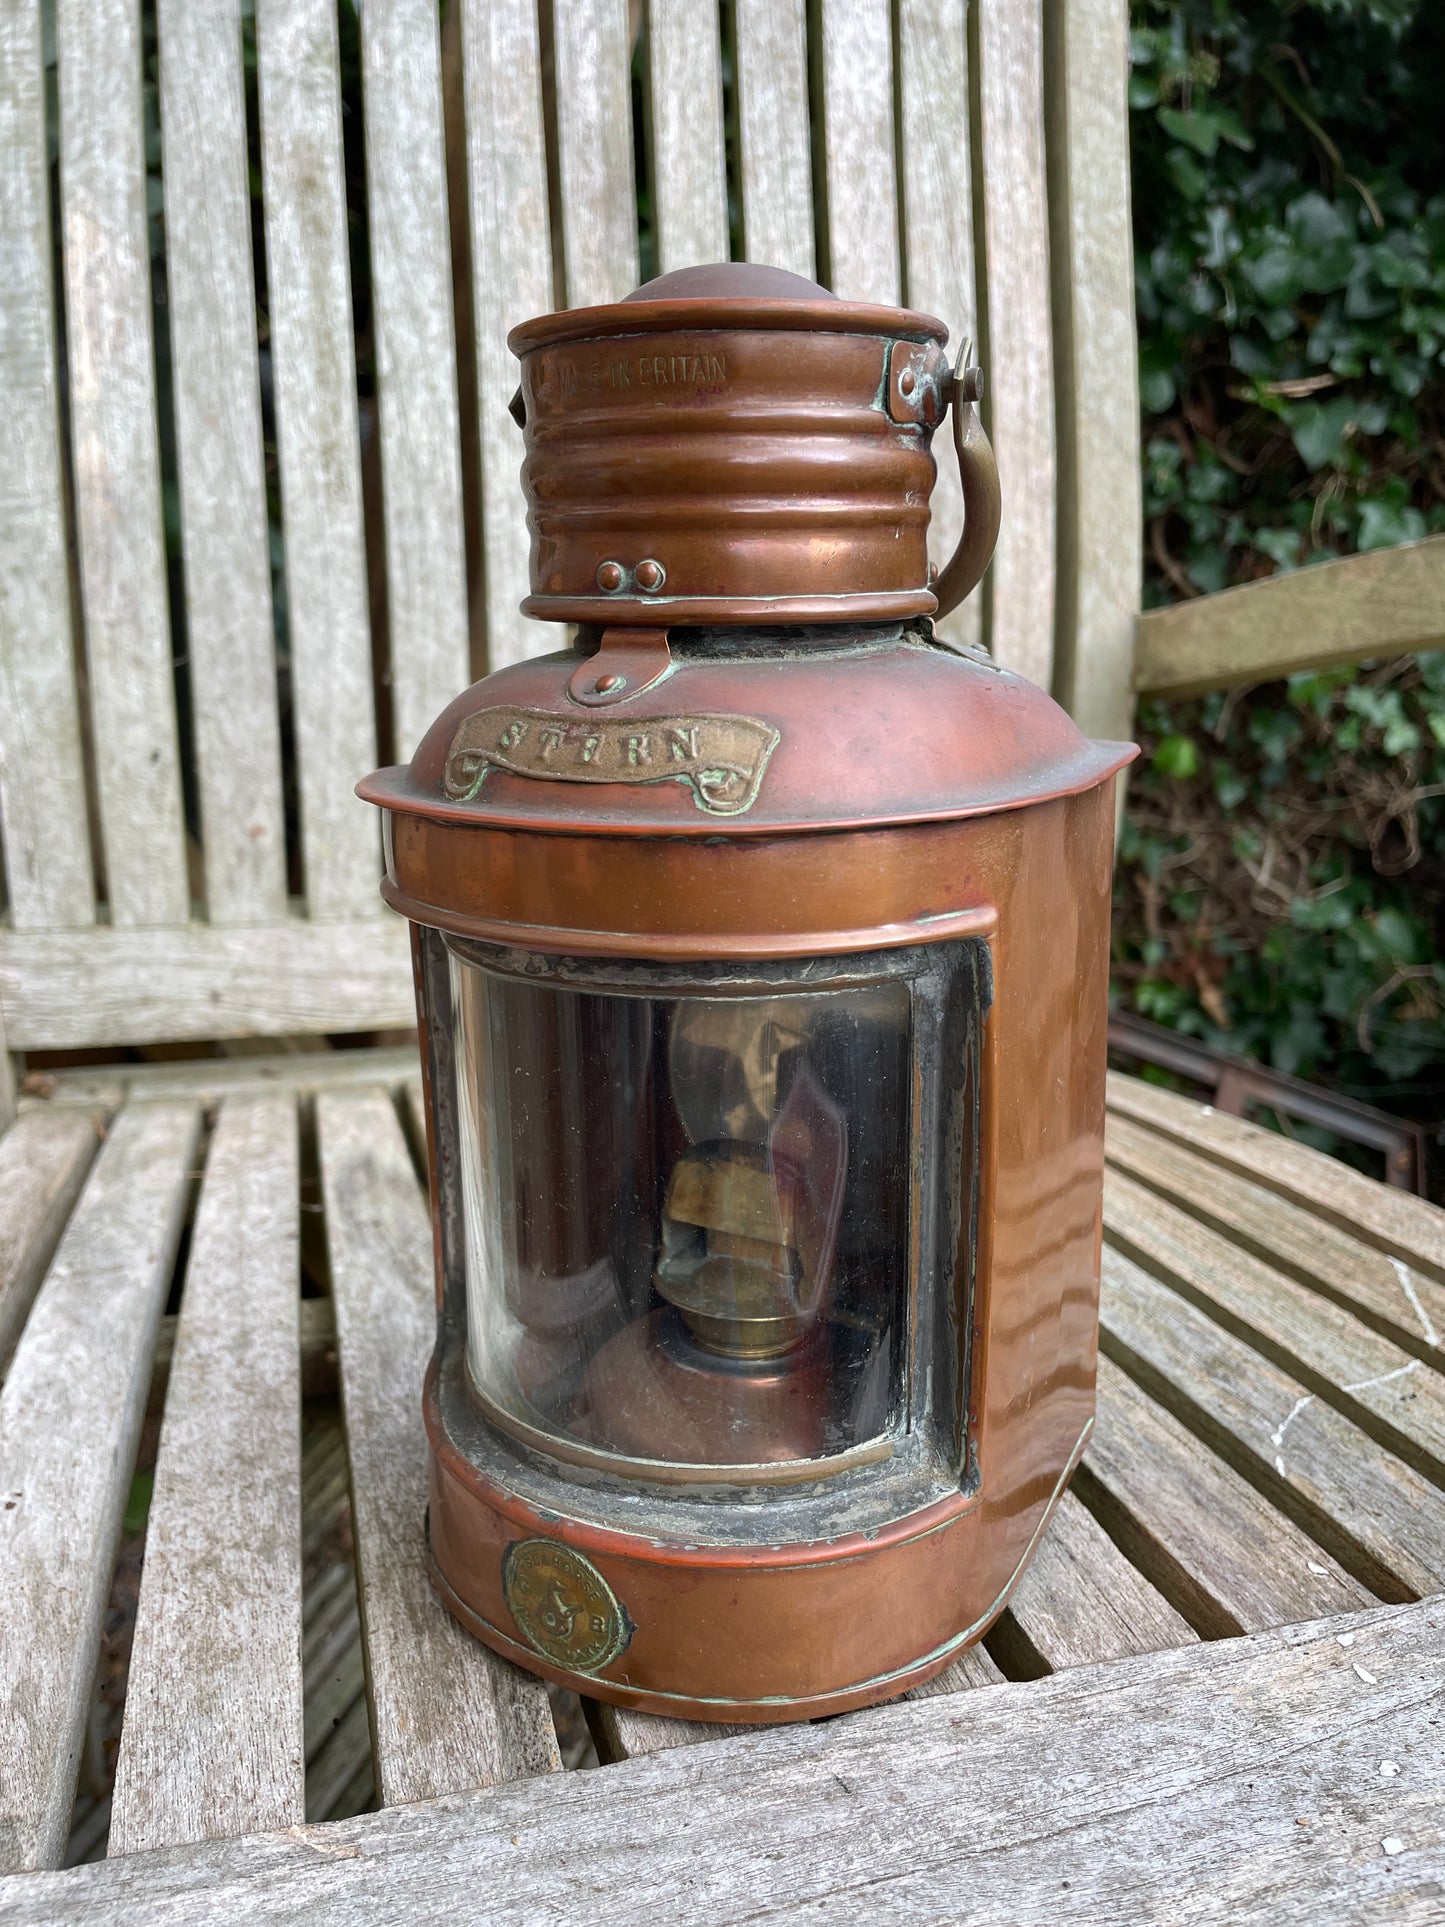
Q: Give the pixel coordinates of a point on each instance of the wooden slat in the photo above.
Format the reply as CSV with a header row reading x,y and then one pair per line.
x,y
211,1743
689,193
938,235
1390,1393
1168,1788
1101,517
70,1416
9,1092
117,460
316,1335
1204,1536
592,53
416,363
43,1161
1402,1225
1019,334
337,1735
446,1713
776,168
42,783
309,294
70,990
208,1079
862,188
9,1082
624,1735
511,281
211,300
1381,1520
1390,602
1081,1603
1406,1304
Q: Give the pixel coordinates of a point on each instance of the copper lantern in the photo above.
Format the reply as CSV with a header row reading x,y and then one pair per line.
x,y
761,950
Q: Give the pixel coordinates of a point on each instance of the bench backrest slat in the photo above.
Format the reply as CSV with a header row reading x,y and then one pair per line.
x,y
861,183
690,200
211,303
511,279
117,461
1019,338
592,56
775,163
416,363
314,371
1101,511
42,778
937,200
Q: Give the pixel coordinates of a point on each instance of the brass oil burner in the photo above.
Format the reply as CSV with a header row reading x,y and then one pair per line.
x,y
761,946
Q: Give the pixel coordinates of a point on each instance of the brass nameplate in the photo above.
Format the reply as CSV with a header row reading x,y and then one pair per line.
x,y
563,1606
720,758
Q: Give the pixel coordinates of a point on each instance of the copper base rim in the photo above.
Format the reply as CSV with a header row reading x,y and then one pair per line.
x,y
660,612
770,1710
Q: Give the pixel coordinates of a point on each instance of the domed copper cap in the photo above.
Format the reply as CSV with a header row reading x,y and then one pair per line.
x,y
734,444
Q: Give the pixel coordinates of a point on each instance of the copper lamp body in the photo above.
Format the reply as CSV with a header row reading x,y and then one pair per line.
x,y
761,951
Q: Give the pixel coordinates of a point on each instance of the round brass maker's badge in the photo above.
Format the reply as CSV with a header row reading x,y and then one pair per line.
x,y
563,1605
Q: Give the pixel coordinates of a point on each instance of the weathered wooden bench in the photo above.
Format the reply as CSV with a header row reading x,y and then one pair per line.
x,y
197,1260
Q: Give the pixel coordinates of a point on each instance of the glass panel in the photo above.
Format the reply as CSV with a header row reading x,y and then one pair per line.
x,y
686,1217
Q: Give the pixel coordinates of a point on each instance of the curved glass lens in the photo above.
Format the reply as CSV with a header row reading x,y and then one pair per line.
x,y
686,1216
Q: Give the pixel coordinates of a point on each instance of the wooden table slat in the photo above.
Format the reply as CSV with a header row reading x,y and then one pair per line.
x,y
1209,1541
211,1743
1390,1393
70,1417
43,1161
1168,1787
1081,1603
1380,1518
446,1713
1405,1303
1396,1221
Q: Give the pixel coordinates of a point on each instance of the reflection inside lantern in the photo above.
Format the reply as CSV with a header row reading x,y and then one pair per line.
x,y
686,1216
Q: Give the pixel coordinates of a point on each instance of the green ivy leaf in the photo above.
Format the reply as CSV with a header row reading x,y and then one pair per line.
x,y
1319,428
1199,131
1178,757
1229,786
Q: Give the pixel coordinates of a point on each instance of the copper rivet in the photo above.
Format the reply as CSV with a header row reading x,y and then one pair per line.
x,y
906,382
650,575
604,685
609,576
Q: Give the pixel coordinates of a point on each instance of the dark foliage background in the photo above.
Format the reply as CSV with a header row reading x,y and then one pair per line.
x,y
1281,888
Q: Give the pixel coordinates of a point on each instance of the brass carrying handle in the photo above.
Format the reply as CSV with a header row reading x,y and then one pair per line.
x,y
981,502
